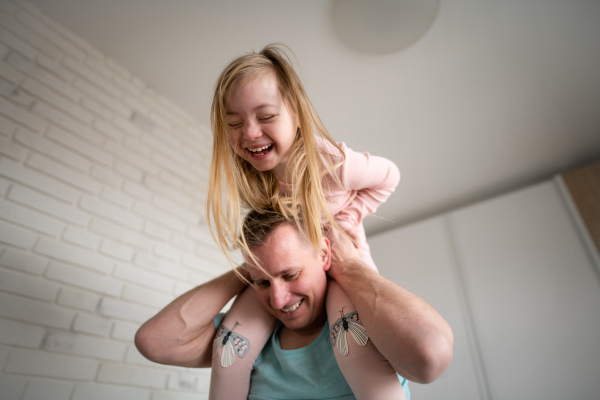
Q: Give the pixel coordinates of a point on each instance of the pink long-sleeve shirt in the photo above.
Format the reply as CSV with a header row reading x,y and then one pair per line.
x,y
367,182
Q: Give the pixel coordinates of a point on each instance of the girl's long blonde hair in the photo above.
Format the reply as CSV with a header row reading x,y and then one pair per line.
x,y
235,186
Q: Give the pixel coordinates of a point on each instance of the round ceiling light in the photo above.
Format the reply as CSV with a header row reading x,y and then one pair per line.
x,y
382,26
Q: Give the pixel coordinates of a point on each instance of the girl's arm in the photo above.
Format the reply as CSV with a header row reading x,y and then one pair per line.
x,y
182,333
367,182
373,178
406,330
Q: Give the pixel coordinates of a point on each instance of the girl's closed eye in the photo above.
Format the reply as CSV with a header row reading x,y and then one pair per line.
x,y
266,118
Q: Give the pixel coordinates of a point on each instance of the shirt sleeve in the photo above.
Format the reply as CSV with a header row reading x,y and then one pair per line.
x,y
373,178
218,319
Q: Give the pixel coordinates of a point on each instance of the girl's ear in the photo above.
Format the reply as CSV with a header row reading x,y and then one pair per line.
x,y
326,253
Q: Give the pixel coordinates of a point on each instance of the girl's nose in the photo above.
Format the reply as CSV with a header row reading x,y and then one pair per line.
x,y
280,296
251,131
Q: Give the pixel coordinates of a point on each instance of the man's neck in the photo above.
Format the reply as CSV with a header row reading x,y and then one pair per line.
x,y
291,339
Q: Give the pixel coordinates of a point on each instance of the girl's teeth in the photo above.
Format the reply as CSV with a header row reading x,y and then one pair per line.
x,y
260,149
292,308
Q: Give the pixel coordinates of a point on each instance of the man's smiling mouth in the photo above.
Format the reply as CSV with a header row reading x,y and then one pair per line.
x,y
292,308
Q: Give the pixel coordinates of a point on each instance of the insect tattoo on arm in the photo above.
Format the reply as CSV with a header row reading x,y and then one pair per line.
x,y
349,322
232,344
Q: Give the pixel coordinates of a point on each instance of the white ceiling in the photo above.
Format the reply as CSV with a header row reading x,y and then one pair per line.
x,y
494,97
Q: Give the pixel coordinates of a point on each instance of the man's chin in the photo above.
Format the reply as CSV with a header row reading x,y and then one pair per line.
x,y
294,322
302,323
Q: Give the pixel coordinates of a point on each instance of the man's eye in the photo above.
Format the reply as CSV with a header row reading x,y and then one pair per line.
x,y
291,277
261,284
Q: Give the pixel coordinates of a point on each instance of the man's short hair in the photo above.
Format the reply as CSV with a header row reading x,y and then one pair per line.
x,y
258,226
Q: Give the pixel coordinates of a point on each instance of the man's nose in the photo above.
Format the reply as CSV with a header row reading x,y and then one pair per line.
x,y
251,131
280,295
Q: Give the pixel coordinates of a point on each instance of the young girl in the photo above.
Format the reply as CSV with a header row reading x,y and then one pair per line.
x,y
267,155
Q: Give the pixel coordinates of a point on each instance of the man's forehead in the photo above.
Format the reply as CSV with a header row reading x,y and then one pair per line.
x,y
283,235
285,249
256,273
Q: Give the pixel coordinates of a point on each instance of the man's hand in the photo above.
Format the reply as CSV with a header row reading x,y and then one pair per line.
x,y
406,330
344,254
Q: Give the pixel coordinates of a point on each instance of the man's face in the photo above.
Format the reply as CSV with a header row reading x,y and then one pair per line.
x,y
295,290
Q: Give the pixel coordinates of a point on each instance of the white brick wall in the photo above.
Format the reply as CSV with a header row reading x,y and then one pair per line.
x,y
48,389
102,190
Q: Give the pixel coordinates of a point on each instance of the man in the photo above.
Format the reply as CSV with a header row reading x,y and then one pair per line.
x,y
291,284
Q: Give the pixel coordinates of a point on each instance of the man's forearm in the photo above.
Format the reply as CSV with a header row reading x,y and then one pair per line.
x,y
414,338
182,332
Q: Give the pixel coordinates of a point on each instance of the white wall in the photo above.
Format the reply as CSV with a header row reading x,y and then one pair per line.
x,y
102,186
515,281
101,210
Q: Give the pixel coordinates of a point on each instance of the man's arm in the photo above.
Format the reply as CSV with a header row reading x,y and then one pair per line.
x,y
406,330
182,332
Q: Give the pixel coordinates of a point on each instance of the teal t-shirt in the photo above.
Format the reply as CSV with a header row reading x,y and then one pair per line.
x,y
310,372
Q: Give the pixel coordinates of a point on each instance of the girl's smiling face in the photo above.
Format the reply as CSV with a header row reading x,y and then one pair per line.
x,y
261,128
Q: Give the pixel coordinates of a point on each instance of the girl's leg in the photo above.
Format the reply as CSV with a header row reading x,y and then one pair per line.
x,y
369,374
251,325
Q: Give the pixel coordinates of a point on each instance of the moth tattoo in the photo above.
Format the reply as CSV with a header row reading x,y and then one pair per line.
x,y
232,344
349,322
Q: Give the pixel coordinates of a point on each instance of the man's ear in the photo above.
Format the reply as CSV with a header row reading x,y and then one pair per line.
x,y
326,253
